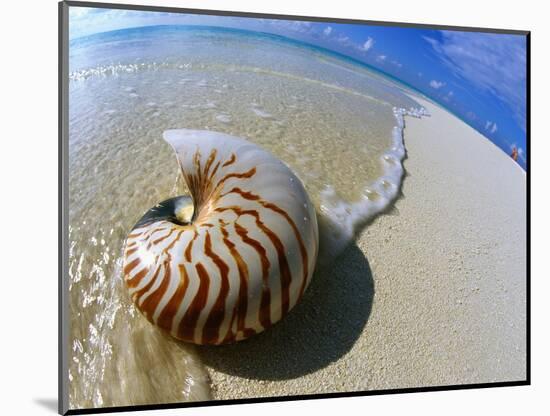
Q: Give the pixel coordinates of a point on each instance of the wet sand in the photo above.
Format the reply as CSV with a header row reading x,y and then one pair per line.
x,y
432,292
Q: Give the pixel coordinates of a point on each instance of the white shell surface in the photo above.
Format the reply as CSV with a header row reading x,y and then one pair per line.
x,y
245,259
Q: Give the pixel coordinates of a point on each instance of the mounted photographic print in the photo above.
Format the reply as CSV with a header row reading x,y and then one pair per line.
x,y
259,207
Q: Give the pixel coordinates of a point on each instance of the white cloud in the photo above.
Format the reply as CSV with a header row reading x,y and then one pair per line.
x,y
433,42
381,58
296,26
327,30
369,43
495,63
521,154
449,96
491,127
343,39
436,84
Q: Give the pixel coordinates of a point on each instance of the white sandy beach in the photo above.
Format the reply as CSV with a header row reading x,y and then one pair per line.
x,y
432,293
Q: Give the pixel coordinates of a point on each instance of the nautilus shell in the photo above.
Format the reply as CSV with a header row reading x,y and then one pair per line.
x,y
232,259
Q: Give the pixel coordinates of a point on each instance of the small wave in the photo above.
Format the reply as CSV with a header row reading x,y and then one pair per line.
x,y
117,69
341,219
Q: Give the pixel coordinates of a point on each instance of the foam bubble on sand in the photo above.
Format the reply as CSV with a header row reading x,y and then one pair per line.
x,y
133,95
129,89
224,118
105,70
260,112
151,104
202,83
114,69
342,219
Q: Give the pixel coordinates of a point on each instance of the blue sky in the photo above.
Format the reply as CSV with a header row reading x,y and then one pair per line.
x,y
480,77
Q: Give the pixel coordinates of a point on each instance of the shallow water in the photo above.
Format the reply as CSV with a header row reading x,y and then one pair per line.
x,y
329,119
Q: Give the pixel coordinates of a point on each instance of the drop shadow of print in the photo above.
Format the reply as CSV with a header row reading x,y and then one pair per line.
x,y
47,403
320,329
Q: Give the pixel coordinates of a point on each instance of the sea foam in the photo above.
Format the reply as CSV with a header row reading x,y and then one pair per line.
x,y
341,220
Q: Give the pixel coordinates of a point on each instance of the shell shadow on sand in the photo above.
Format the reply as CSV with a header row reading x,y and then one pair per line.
x,y
323,327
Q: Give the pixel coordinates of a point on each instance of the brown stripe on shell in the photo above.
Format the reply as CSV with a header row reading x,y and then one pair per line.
x,y
130,266
131,244
209,162
134,281
150,304
264,315
275,208
197,161
190,247
138,294
166,317
241,308
303,251
211,330
131,250
158,240
214,171
188,323
230,161
245,175
148,233
284,269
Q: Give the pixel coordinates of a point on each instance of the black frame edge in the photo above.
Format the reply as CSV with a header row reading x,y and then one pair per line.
x,y
528,207
290,17
164,406
63,144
